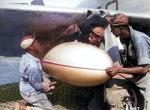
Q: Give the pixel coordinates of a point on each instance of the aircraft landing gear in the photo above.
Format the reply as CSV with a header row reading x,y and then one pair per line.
x,y
135,100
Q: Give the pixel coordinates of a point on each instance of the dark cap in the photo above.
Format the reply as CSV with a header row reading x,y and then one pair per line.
x,y
118,19
98,31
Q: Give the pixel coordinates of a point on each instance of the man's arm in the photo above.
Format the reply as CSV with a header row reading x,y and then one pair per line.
x,y
35,79
133,70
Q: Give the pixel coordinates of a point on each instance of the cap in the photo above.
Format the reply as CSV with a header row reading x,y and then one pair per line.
x,y
118,19
98,31
27,41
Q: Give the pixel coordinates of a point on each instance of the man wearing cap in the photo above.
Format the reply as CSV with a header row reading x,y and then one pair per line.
x,y
106,41
135,60
96,37
32,86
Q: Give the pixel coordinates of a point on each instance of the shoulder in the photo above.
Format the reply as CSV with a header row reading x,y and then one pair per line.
x,y
135,33
138,37
34,64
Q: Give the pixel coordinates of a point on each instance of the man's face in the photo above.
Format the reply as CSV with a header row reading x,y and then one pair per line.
x,y
115,30
36,46
94,39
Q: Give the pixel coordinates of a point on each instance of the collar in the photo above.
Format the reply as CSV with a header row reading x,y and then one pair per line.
x,y
32,57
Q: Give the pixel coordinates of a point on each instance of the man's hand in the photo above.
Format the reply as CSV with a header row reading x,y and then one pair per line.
x,y
112,71
47,86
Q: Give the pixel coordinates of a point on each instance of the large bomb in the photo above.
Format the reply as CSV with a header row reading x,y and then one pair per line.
x,y
78,64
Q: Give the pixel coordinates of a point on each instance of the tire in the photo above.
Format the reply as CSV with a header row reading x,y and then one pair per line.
x,y
136,100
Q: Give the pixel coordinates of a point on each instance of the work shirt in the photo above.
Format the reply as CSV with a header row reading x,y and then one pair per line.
x,y
111,45
137,52
31,74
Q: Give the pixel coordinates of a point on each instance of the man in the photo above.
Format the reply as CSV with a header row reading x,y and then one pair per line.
x,y
32,86
135,60
96,37
106,41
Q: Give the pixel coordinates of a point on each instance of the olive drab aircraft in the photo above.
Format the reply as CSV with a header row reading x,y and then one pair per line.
x,y
23,17
71,19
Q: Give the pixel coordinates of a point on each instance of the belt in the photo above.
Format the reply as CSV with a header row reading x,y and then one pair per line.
x,y
25,79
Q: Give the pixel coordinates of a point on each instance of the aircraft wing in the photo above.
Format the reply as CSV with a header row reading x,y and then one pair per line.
x,y
29,18
16,21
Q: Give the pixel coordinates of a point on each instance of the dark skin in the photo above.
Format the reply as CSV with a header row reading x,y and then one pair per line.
x,y
124,34
112,71
95,39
